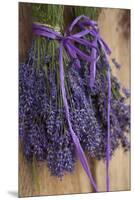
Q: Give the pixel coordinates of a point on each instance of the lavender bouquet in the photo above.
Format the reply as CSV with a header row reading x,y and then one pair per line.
x,y
43,126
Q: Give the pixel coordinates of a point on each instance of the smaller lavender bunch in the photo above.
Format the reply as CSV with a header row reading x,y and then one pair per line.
x,y
32,109
119,114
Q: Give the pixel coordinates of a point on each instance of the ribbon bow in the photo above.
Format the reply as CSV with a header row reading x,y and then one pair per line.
x,y
86,27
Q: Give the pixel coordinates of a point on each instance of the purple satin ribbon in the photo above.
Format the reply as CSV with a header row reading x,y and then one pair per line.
x,y
87,27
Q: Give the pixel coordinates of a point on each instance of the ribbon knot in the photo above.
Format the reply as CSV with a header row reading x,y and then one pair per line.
x,y
70,42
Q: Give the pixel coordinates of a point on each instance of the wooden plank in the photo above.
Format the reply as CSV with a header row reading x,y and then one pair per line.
x,y
25,29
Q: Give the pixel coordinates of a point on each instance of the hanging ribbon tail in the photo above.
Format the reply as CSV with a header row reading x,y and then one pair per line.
x,y
79,149
108,149
105,47
73,56
93,65
107,51
84,161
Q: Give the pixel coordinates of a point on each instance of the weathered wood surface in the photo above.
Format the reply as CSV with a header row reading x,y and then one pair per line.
x,y
114,33
25,30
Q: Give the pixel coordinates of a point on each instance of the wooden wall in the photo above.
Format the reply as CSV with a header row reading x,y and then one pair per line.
x,y
116,34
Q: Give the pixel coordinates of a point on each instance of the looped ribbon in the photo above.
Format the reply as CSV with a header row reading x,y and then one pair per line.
x,y
68,42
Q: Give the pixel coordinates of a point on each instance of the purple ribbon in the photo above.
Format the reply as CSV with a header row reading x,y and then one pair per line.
x,y
108,149
87,27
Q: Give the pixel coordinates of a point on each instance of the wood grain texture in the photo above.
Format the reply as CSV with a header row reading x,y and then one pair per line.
x,y
25,29
42,183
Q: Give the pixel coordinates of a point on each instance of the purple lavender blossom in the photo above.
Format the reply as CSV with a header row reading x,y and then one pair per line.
x,y
116,64
43,126
126,92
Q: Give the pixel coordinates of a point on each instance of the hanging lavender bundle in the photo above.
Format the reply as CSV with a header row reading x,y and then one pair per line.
x,y
62,115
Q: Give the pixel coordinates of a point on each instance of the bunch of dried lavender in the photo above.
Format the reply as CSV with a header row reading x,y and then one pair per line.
x,y
43,126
